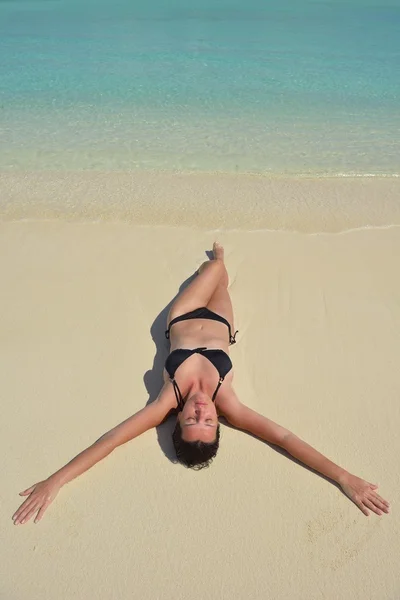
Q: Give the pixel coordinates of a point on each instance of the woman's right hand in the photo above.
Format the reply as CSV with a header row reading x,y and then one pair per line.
x,y
40,496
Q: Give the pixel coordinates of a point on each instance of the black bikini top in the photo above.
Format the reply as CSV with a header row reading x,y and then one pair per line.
x,y
218,358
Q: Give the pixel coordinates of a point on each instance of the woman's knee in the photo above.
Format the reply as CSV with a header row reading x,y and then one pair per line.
x,y
214,265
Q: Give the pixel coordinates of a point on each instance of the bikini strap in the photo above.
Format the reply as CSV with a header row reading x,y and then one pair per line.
x,y
221,379
178,394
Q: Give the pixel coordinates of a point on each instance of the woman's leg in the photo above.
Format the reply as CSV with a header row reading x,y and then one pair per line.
x,y
201,290
220,301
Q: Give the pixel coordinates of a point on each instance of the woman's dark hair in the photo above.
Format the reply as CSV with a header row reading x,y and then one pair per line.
x,y
194,455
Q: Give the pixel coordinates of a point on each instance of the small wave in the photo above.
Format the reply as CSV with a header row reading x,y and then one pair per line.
x,y
363,175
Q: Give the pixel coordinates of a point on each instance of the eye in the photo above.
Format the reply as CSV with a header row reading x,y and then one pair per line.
x,y
209,420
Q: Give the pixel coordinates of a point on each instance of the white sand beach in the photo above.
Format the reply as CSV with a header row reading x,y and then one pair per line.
x,y
82,315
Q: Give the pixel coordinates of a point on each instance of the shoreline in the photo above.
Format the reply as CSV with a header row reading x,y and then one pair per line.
x,y
207,201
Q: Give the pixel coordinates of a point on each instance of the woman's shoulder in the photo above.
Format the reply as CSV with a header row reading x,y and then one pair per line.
x,y
227,398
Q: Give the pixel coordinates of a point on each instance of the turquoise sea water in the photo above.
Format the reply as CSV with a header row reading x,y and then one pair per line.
x,y
290,86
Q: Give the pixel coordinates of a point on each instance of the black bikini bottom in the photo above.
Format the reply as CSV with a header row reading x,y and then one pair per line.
x,y
202,313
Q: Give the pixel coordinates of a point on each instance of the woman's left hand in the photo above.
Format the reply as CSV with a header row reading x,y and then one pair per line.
x,y
363,494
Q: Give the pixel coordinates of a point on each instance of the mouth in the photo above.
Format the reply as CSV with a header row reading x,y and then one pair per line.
x,y
200,403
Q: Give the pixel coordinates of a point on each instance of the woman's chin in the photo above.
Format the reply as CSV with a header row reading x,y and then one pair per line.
x,y
200,398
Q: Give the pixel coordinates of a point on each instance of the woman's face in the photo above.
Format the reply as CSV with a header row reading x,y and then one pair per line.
x,y
198,419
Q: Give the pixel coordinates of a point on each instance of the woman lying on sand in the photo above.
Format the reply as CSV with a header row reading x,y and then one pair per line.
x,y
198,385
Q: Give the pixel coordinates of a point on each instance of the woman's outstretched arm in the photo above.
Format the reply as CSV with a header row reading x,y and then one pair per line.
x,y
43,493
361,492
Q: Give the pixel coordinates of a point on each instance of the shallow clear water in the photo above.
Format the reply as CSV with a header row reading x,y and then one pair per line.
x,y
310,87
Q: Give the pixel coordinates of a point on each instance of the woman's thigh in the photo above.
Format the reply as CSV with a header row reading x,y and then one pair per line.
x,y
200,291
220,303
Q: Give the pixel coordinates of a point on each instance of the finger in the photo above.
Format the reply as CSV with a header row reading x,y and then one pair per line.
x,y
379,502
381,499
361,506
28,491
30,513
372,506
41,512
374,486
24,512
17,514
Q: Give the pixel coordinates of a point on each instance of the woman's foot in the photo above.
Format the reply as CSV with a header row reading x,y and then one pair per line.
x,y
218,251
